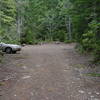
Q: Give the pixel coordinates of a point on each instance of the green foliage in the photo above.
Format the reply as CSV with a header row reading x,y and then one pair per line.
x,y
7,20
7,11
29,38
86,25
91,42
46,20
88,41
60,36
93,74
54,20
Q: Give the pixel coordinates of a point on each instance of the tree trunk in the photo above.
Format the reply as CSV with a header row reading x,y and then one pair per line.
x,y
69,29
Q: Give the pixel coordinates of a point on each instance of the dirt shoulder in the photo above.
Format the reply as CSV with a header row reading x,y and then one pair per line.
x,y
48,72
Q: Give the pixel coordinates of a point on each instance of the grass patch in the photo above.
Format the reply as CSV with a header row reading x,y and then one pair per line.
x,y
1,83
19,57
93,74
79,66
20,64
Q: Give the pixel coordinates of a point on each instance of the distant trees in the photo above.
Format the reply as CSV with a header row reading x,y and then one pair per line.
x,y
7,20
45,20
86,25
53,20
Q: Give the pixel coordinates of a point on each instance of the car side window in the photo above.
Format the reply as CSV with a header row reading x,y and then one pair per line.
x,y
0,44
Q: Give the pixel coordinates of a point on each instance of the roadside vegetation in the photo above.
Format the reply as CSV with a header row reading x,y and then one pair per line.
x,y
33,21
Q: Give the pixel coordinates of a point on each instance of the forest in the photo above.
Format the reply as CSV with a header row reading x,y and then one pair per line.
x,y
34,21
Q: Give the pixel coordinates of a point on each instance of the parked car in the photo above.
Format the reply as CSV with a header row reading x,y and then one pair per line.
x,y
10,48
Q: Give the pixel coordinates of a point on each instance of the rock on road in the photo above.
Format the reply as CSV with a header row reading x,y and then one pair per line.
x,y
44,72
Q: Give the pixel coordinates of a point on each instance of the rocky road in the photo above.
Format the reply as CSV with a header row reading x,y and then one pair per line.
x,y
46,72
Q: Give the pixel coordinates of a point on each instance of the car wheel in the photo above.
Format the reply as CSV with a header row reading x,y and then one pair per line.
x,y
8,50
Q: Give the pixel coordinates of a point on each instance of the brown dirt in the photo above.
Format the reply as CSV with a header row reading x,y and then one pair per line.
x,y
47,72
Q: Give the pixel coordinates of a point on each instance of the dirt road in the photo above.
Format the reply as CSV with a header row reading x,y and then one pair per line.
x,y
46,72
